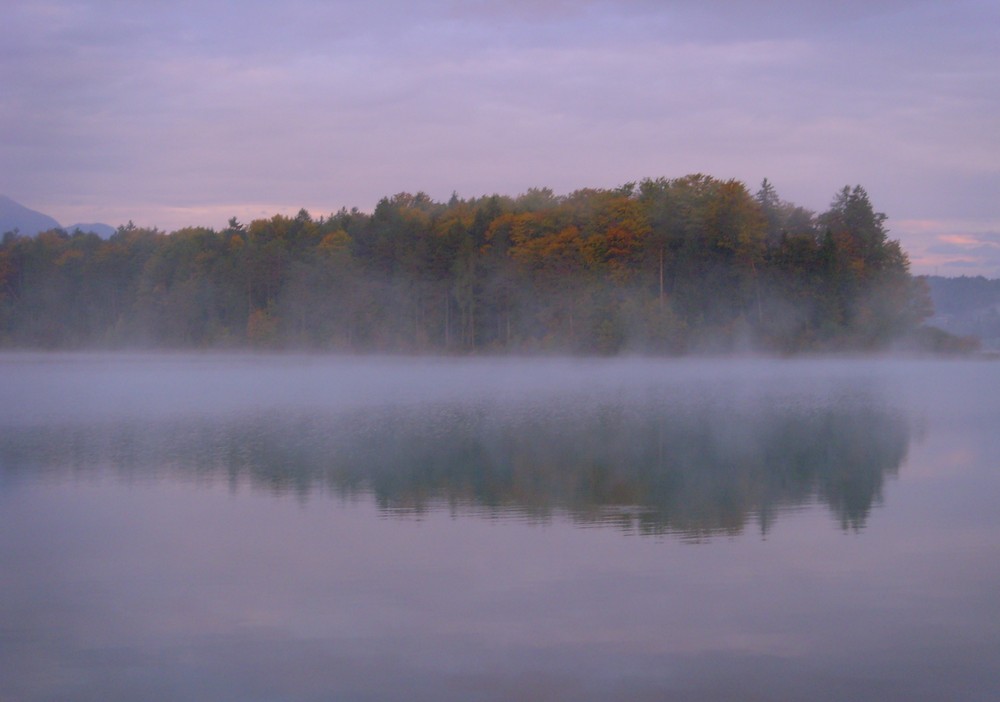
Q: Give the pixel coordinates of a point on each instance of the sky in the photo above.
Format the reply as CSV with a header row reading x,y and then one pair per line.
x,y
173,113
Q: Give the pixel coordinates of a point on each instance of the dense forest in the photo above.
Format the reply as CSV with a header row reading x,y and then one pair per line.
x,y
661,266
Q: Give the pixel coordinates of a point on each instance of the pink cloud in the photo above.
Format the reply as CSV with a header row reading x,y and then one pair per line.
x,y
967,240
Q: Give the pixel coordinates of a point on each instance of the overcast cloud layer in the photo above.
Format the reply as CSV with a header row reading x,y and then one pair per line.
x,y
180,113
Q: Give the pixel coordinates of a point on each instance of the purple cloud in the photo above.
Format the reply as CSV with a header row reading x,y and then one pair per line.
x,y
161,111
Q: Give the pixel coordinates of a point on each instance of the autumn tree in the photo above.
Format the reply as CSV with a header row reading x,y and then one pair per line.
x,y
664,266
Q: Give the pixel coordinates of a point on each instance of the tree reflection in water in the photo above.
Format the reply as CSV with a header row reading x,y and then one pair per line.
x,y
693,469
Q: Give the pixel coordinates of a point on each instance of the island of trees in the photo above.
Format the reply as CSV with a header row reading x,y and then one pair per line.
x,y
661,266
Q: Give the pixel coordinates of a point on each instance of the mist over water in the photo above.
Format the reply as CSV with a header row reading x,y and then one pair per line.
x,y
314,527
55,387
690,447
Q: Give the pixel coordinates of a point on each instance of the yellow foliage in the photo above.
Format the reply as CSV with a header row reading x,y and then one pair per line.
x,y
68,256
336,244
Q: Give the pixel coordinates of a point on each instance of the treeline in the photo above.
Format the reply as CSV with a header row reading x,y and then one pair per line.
x,y
662,266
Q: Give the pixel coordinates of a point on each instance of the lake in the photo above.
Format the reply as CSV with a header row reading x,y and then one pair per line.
x,y
240,527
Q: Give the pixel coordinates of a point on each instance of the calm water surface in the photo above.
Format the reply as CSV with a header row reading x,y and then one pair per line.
x,y
305,528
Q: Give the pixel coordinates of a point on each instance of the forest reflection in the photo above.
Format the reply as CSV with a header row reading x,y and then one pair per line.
x,y
693,469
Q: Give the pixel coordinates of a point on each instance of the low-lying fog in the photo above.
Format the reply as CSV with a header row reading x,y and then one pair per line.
x,y
656,444
65,387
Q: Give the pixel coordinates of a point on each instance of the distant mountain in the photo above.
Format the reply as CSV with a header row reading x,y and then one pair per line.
x,y
967,307
14,215
102,230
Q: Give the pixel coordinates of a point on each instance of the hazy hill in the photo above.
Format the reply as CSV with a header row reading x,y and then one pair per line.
x,y
15,216
967,307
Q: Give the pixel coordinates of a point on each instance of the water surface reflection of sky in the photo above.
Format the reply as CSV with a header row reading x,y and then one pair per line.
x,y
286,554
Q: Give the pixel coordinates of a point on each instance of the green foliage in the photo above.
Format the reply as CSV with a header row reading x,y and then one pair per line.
x,y
662,266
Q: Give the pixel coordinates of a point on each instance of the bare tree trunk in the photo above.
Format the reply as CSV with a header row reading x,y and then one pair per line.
x,y
756,287
416,320
447,320
661,275
472,303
